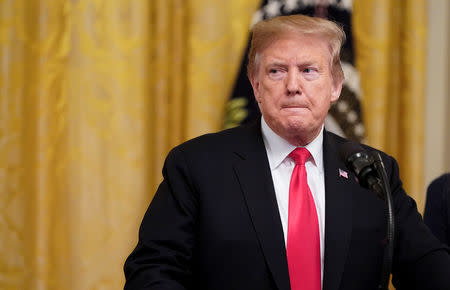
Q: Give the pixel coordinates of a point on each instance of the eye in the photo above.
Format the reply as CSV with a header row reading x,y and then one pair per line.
x,y
276,73
310,73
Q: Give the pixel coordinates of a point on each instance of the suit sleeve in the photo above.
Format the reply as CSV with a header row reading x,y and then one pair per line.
x,y
436,209
420,260
162,258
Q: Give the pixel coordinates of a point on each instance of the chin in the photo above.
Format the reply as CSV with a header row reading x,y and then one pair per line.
x,y
302,130
297,124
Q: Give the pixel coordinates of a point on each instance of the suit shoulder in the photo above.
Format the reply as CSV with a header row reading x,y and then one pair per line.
x,y
440,185
335,138
220,138
225,140
338,140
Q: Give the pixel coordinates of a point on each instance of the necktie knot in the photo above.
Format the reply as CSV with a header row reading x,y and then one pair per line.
x,y
300,155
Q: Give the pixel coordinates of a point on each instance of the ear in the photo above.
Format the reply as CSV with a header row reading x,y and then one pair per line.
x,y
336,89
255,85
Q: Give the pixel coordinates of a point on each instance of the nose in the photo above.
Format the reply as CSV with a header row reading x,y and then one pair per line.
x,y
292,83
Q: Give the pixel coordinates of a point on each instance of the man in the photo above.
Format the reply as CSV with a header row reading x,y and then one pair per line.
x,y
437,208
271,205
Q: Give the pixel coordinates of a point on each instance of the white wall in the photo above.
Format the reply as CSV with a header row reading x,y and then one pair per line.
x,y
437,114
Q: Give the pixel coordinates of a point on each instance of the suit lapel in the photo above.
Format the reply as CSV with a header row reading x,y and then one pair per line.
x,y
253,173
338,213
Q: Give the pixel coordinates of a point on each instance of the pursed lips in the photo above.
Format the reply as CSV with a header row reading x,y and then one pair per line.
x,y
293,107
295,110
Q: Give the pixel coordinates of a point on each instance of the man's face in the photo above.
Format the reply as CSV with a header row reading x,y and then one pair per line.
x,y
294,87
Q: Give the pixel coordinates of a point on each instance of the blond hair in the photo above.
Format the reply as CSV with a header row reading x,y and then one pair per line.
x,y
267,31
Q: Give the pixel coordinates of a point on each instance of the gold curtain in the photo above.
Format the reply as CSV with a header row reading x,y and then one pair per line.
x,y
390,44
93,94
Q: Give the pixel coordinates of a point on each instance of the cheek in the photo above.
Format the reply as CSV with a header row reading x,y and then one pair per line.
x,y
320,93
271,92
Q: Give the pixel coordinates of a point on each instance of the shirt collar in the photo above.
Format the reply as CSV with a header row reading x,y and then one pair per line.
x,y
278,148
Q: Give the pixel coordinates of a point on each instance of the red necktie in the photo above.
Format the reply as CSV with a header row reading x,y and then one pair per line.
x,y
303,242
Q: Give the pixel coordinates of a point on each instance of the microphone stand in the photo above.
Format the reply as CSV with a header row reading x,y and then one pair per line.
x,y
383,189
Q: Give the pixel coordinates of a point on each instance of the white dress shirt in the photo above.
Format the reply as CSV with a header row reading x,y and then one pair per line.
x,y
281,166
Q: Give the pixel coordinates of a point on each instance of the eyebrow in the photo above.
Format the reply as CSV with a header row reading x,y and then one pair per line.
x,y
277,62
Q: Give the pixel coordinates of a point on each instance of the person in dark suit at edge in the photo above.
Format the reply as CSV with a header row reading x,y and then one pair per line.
x,y
437,208
271,205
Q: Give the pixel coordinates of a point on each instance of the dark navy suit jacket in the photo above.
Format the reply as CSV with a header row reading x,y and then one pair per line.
x,y
214,224
437,208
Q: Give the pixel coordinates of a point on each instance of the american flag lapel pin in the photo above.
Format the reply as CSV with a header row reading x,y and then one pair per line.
x,y
343,173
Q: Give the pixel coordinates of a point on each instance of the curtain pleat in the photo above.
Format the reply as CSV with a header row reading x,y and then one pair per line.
x,y
93,94
390,41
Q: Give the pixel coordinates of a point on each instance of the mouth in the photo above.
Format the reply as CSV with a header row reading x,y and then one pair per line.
x,y
294,107
295,110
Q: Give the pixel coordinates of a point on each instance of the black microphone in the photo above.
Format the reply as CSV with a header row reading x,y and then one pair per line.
x,y
371,174
362,164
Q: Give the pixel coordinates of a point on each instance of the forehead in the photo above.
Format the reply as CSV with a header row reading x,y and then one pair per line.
x,y
299,47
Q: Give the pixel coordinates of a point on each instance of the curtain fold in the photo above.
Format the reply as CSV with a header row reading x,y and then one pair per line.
x,y
219,32
390,41
93,94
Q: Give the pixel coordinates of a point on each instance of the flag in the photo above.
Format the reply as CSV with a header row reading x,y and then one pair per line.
x,y
345,116
343,173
